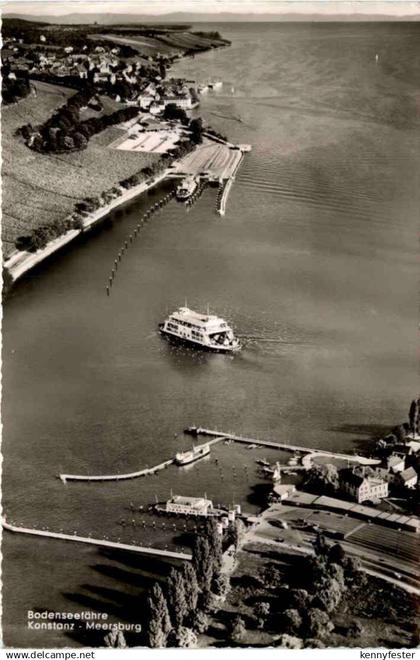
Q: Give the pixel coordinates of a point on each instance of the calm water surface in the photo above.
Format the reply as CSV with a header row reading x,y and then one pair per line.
x,y
314,262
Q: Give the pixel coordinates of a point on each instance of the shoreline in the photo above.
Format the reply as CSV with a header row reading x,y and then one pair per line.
x,y
21,261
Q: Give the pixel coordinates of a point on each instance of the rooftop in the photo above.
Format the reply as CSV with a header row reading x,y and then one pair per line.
x,y
193,502
408,474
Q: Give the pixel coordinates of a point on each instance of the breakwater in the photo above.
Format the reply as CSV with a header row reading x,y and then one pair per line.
x,y
128,475
362,460
159,552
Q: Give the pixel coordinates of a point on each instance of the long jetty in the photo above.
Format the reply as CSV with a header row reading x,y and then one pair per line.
x,y
229,181
363,460
128,475
98,542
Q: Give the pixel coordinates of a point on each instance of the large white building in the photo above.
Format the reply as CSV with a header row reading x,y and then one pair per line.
x,y
195,506
362,488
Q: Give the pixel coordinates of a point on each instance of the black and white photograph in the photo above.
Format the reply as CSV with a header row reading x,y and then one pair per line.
x,y
210,397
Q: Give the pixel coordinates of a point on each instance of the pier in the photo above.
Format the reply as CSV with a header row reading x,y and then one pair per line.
x,y
98,542
129,475
214,160
362,460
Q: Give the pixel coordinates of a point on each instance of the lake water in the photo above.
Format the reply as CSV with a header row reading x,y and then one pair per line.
x,y
315,261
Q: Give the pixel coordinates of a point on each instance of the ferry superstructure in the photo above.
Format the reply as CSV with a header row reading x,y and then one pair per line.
x,y
203,331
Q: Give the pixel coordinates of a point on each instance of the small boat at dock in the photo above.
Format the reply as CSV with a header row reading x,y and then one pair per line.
x,y
262,461
187,187
187,457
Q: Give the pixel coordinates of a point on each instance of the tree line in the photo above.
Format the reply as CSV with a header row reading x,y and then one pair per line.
x,y
179,610
40,236
64,131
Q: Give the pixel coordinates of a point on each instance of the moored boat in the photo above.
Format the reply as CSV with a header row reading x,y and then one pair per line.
x,y
187,457
187,187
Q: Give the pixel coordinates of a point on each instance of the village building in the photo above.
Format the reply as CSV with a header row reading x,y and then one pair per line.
x,y
396,463
284,491
362,488
407,478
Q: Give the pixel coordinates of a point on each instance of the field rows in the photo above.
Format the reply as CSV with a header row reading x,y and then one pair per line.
x,y
39,188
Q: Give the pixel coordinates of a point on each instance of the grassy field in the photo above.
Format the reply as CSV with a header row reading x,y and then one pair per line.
x,y
170,43
40,188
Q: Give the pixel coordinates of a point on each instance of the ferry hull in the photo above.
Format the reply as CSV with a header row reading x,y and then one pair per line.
x,y
184,341
188,461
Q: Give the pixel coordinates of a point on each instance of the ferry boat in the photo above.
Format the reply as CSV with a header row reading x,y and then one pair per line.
x,y
187,457
203,331
186,188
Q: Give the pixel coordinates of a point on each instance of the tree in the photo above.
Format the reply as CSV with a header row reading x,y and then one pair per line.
x,y
318,623
261,611
336,554
196,128
355,629
207,601
320,545
414,417
237,629
185,638
322,478
299,599
199,621
290,642
337,573
177,603
291,621
220,585
203,562
80,141
328,594
236,532
312,643
353,574
215,543
159,624
115,638
172,112
316,570
190,585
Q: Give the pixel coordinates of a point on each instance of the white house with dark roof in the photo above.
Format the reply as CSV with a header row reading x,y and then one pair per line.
x,y
407,478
